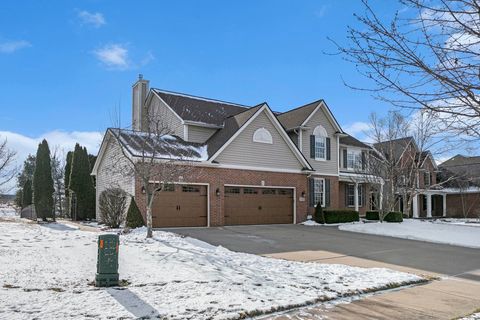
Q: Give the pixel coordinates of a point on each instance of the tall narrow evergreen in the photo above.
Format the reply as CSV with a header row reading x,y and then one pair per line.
x,y
43,183
66,180
81,185
134,217
27,194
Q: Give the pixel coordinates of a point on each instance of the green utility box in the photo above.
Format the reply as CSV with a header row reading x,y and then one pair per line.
x,y
107,261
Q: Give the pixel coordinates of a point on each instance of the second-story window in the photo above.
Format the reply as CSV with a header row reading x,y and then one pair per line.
x,y
354,160
427,179
320,136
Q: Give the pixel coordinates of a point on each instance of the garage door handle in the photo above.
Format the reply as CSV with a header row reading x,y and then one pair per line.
x,y
259,207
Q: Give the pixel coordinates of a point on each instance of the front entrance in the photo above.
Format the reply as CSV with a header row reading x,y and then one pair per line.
x,y
255,205
181,205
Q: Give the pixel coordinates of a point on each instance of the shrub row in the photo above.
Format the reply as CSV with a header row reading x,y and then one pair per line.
x,y
338,216
392,216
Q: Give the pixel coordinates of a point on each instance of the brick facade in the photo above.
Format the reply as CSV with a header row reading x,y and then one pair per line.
x,y
469,201
217,178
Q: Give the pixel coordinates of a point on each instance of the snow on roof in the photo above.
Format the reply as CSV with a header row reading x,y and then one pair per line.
x,y
143,144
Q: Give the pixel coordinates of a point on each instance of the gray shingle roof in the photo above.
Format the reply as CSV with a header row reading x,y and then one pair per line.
x,y
351,141
295,117
398,146
169,147
460,164
198,109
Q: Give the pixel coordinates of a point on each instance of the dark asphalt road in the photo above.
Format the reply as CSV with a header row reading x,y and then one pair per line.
x,y
445,259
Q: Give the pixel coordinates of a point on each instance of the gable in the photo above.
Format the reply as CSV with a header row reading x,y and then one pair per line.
x,y
242,151
169,119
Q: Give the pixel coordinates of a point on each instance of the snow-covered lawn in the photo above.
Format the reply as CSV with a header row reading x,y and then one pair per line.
x,y
424,230
7,210
461,222
46,273
475,316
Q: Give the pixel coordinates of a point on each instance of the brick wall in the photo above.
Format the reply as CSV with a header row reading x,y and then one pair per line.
x,y
218,177
469,201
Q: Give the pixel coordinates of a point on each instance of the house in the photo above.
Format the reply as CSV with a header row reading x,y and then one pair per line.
x,y
463,200
250,165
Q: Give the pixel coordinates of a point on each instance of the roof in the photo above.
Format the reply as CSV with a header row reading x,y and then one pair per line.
x,y
231,126
461,165
296,117
351,141
141,144
199,109
397,145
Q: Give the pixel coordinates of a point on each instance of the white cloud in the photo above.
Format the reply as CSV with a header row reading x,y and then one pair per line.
x,y
61,140
12,46
113,56
95,19
357,128
321,11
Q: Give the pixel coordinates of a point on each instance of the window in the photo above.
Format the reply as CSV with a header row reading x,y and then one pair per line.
x,y
249,191
319,191
351,195
232,190
427,179
190,189
354,159
169,187
262,135
285,192
320,143
268,191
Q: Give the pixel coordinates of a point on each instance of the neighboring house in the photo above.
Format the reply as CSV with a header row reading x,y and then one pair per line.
x,y
253,166
463,190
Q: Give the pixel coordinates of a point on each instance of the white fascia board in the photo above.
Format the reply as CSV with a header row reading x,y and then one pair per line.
x,y
330,116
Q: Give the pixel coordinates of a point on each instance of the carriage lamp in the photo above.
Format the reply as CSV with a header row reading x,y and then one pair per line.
x,y
303,194
143,189
217,192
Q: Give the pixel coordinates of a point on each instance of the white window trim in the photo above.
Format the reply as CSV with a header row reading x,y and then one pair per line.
x,y
360,196
323,190
355,153
262,135
320,133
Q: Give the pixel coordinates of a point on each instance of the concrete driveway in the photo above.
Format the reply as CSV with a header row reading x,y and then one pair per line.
x,y
275,239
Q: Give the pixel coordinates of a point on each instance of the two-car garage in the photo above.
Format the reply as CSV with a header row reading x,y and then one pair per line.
x,y
186,205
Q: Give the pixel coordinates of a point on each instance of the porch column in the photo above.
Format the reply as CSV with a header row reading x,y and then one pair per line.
x,y
429,205
415,206
380,197
444,204
356,196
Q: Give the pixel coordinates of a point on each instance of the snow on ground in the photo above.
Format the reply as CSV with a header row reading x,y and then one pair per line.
x,y
7,210
423,230
45,271
312,223
475,316
461,222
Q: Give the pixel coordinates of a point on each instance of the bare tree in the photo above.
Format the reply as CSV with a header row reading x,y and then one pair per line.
x,y
58,173
154,157
8,169
402,148
425,57
113,204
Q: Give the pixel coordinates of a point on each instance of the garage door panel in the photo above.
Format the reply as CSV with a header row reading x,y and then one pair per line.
x,y
258,206
182,206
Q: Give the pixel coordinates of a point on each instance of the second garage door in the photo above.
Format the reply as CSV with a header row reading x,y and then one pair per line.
x,y
180,206
258,205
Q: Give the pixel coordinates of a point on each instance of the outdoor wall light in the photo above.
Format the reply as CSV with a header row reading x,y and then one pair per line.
x,y
143,190
217,192
303,194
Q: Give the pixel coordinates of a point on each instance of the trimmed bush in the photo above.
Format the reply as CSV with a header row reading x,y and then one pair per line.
x,y
134,217
319,216
393,216
372,215
113,203
341,216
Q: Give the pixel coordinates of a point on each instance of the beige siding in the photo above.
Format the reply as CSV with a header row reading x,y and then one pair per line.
x,y
166,117
112,172
244,152
199,134
328,167
294,137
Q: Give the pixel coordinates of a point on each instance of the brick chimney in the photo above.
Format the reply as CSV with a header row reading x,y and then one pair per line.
x,y
139,94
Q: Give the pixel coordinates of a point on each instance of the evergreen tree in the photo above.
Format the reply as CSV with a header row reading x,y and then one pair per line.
x,y
27,196
19,198
134,217
66,181
92,160
43,183
81,185
27,171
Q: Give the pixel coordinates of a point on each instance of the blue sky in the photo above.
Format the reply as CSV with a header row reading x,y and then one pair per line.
x,y
66,65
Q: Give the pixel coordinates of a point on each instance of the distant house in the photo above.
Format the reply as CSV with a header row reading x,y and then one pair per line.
x,y
252,165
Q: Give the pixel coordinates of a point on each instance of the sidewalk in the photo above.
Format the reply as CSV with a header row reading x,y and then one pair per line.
x,y
444,298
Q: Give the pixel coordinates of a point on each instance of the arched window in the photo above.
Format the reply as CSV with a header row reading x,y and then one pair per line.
x,y
263,136
320,138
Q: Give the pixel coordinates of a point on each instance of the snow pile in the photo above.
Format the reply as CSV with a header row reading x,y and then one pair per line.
x,y
429,231
7,210
45,271
461,222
